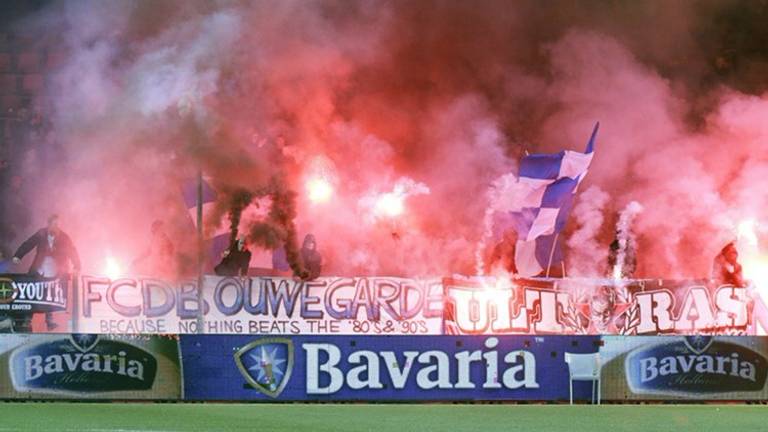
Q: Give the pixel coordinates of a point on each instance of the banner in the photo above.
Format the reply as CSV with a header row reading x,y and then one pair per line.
x,y
87,366
375,368
378,368
594,306
262,305
684,367
23,293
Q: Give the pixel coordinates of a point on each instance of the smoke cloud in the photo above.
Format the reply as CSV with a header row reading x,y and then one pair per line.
x,y
587,254
448,95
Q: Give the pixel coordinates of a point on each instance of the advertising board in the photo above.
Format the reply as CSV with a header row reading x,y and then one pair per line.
x,y
89,366
376,368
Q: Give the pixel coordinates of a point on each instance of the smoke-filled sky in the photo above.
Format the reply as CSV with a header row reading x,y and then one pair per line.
x,y
431,100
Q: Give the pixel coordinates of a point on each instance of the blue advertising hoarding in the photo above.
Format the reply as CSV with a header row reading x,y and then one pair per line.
x,y
377,368
371,368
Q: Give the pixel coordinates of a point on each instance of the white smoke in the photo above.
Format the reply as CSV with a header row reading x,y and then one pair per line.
x,y
504,195
624,235
587,254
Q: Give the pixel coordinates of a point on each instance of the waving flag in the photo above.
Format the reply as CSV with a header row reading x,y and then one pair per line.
x,y
550,182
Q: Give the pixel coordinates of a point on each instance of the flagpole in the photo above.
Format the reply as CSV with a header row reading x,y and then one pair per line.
x,y
200,253
552,254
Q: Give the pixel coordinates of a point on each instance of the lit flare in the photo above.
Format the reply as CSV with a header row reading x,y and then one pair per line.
x,y
390,205
112,268
319,190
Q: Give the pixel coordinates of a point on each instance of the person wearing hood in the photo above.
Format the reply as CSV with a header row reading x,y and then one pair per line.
x,y
235,261
726,268
313,261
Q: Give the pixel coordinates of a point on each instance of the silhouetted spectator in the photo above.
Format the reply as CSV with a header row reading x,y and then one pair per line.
x,y
235,261
726,268
313,261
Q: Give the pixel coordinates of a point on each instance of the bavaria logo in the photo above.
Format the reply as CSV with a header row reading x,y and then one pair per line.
x,y
266,364
694,366
81,363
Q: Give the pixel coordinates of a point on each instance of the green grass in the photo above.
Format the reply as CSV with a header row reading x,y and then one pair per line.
x,y
144,417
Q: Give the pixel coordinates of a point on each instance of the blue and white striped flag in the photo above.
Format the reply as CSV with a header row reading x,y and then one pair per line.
x,y
550,182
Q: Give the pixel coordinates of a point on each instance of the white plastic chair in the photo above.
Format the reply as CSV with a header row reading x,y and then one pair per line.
x,y
584,367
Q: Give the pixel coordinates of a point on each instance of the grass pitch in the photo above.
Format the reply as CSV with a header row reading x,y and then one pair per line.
x,y
149,417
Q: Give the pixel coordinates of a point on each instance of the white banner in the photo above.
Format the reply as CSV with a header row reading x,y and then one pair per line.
x,y
261,305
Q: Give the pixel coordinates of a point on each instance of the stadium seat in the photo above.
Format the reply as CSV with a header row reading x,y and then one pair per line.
x,y
584,367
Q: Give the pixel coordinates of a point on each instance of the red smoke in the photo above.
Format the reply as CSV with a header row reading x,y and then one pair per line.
x,y
444,94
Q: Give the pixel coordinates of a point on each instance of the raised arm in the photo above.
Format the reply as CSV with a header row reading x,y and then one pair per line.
x,y
28,245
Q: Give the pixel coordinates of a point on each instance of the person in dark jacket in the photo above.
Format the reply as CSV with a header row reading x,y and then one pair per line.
x,y
54,251
235,261
313,261
726,268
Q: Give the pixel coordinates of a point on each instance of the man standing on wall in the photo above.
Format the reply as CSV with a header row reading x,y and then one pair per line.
x,y
53,256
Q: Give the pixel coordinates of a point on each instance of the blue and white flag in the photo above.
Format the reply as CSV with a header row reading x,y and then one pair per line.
x,y
550,182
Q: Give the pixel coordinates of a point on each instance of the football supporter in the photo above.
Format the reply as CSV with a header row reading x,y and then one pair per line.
x,y
726,268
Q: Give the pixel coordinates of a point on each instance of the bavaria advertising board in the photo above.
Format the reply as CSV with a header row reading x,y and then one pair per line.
x,y
685,367
263,305
89,366
377,368
594,306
